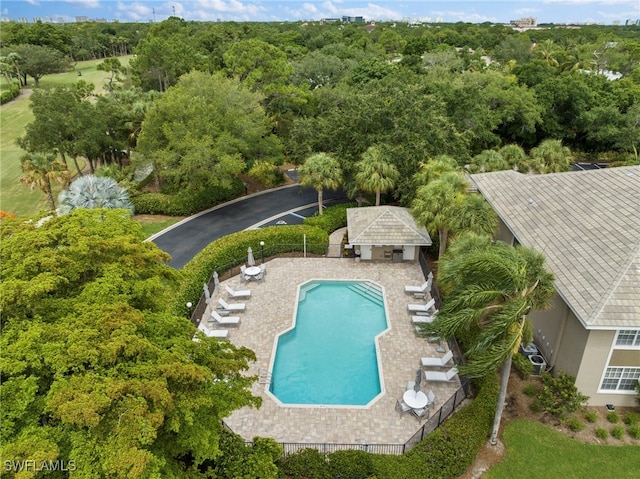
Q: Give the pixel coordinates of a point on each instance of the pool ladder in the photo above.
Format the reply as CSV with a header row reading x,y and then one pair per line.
x,y
264,376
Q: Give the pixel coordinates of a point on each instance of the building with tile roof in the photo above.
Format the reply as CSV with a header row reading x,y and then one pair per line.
x,y
385,233
587,224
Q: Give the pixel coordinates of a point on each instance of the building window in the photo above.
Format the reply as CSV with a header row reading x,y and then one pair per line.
x,y
621,379
628,337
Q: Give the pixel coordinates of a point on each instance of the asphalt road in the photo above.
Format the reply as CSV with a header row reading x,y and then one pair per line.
x,y
290,204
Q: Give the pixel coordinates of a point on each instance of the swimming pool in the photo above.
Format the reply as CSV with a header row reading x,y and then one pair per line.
x,y
330,355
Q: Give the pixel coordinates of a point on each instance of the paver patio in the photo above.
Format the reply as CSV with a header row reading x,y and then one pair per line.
x,y
271,309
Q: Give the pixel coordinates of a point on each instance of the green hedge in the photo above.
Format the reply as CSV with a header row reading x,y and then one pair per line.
x,y
10,94
332,218
232,249
446,453
185,203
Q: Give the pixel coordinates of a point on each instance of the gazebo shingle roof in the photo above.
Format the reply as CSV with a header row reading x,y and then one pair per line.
x,y
384,225
587,224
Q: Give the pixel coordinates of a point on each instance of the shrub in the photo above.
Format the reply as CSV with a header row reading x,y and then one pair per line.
x,y
10,94
303,464
186,202
266,173
590,416
530,390
332,218
631,418
617,431
613,417
350,463
634,431
575,424
602,433
535,406
559,395
522,365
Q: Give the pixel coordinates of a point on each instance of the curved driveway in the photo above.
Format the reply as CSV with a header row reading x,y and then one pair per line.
x,y
290,204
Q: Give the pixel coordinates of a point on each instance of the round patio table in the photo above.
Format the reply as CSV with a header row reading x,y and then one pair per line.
x,y
415,400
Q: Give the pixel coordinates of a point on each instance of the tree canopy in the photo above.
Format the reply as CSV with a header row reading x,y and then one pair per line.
x,y
94,369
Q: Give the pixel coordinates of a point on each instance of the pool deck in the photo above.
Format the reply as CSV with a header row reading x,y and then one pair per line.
x,y
271,309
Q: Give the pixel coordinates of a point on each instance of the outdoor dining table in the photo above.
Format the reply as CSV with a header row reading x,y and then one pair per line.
x,y
252,271
415,400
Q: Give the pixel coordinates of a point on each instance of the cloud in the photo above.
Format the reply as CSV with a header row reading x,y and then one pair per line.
x,y
136,11
599,2
309,7
526,11
33,2
468,17
622,16
85,3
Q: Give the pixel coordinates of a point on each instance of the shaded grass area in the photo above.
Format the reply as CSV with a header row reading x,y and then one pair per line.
x,y
14,117
534,450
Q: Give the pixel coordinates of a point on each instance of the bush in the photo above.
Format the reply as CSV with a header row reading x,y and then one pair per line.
x,y
590,416
634,431
522,365
617,431
559,395
186,202
535,406
332,218
575,424
231,250
530,390
351,464
631,418
613,417
10,94
304,463
602,433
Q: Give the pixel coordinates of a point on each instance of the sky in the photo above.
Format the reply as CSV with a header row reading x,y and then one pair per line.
x,y
498,11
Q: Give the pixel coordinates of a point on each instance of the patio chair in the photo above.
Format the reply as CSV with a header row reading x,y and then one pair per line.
x,y
440,376
402,406
425,288
431,397
421,413
263,271
237,293
433,361
227,321
244,275
422,307
410,385
231,306
423,318
213,333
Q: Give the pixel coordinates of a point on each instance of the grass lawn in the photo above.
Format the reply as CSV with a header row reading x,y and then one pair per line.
x,y
534,450
152,224
14,116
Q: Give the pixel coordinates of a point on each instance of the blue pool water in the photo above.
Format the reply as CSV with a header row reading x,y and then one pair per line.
x,y
329,357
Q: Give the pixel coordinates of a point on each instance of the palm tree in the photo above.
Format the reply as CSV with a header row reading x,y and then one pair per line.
x,y
551,157
488,289
547,50
93,192
320,171
515,156
374,173
488,160
39,170
435,205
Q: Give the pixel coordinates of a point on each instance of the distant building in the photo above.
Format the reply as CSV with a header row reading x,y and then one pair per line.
x,y
527,22
347,19
81,19
329,20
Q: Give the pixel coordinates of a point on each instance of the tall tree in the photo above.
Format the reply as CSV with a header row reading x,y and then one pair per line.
x,y
375,173
320,171
203,131
113,381
38,61
488,289
39,170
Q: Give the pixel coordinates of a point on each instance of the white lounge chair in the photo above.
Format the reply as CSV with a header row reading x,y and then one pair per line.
x,y
213,333
228,320
425,288
231,306
237,293
433,361
440,376
422,307
424,318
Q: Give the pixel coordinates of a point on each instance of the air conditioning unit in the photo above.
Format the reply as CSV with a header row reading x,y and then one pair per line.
x,y
529,349
539,364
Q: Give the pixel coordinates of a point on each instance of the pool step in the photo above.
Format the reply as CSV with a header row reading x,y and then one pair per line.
x,y
305,289
369,291
264,376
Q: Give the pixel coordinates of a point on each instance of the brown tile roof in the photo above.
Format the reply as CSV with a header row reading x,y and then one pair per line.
x,y
587,224
384,225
